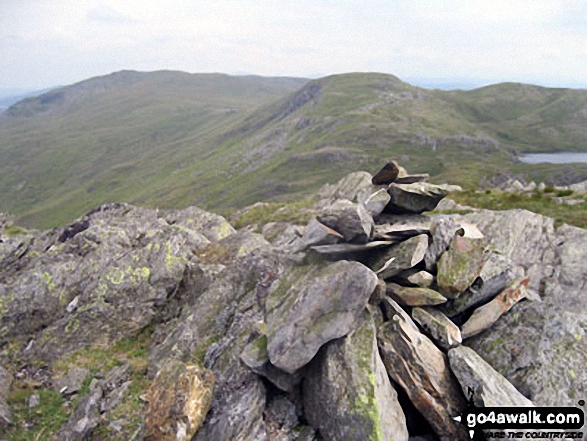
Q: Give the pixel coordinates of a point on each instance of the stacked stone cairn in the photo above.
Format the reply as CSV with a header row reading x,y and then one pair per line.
x,y
437,285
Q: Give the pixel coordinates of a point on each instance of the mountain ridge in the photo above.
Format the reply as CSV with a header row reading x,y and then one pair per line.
x,y
225,142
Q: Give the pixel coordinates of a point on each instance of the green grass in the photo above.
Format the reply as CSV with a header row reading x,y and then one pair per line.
x,y
260,215
537,202
169,139
42,422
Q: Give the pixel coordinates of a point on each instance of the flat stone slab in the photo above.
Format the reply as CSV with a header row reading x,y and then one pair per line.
x,y
414,198
438,326
349,248
414,296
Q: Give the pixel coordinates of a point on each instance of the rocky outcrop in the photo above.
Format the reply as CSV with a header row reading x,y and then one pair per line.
x,y
291,334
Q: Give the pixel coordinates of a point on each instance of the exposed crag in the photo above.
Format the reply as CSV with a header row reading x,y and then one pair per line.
x,y
371,322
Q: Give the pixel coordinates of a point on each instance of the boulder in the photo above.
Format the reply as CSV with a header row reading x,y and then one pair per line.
x,y
210,225
403,256
400,230
460,266
414,198
319,234
438,326
177,402
349,219
347,187
347,393
485,316
414,296
313,305
488,386
387,174
422,370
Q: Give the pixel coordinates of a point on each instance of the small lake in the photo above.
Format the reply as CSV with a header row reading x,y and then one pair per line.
x,y
554,158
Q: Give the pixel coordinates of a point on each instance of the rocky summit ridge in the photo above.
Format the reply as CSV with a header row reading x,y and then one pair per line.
x,y
371,322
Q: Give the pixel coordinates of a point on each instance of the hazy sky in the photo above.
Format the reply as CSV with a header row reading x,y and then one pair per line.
x,y
45,43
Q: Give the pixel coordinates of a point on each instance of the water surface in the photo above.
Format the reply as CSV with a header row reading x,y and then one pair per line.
x,y
554,158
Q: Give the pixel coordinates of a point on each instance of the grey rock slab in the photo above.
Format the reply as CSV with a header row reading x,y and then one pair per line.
x,y
496,274
422,370
347,393
438,326
376,202
210,225
414,198
490,387
485,316
399,231
313,305
349,219
349,248
405,255
410,179
414,296
317,233
460,266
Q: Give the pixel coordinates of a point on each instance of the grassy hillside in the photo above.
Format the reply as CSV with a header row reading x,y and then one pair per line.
x,y
171,139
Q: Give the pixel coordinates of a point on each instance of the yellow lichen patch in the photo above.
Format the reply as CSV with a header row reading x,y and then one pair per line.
x,y
221,231
48,280
177,402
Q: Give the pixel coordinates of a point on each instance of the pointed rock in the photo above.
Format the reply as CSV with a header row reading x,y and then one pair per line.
x,y
422,370
349,187
490,387
438,326
405,255
313,305
414,296
414,198
387,174
349,219
485,316
391,308
347,393
460,266
421,278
